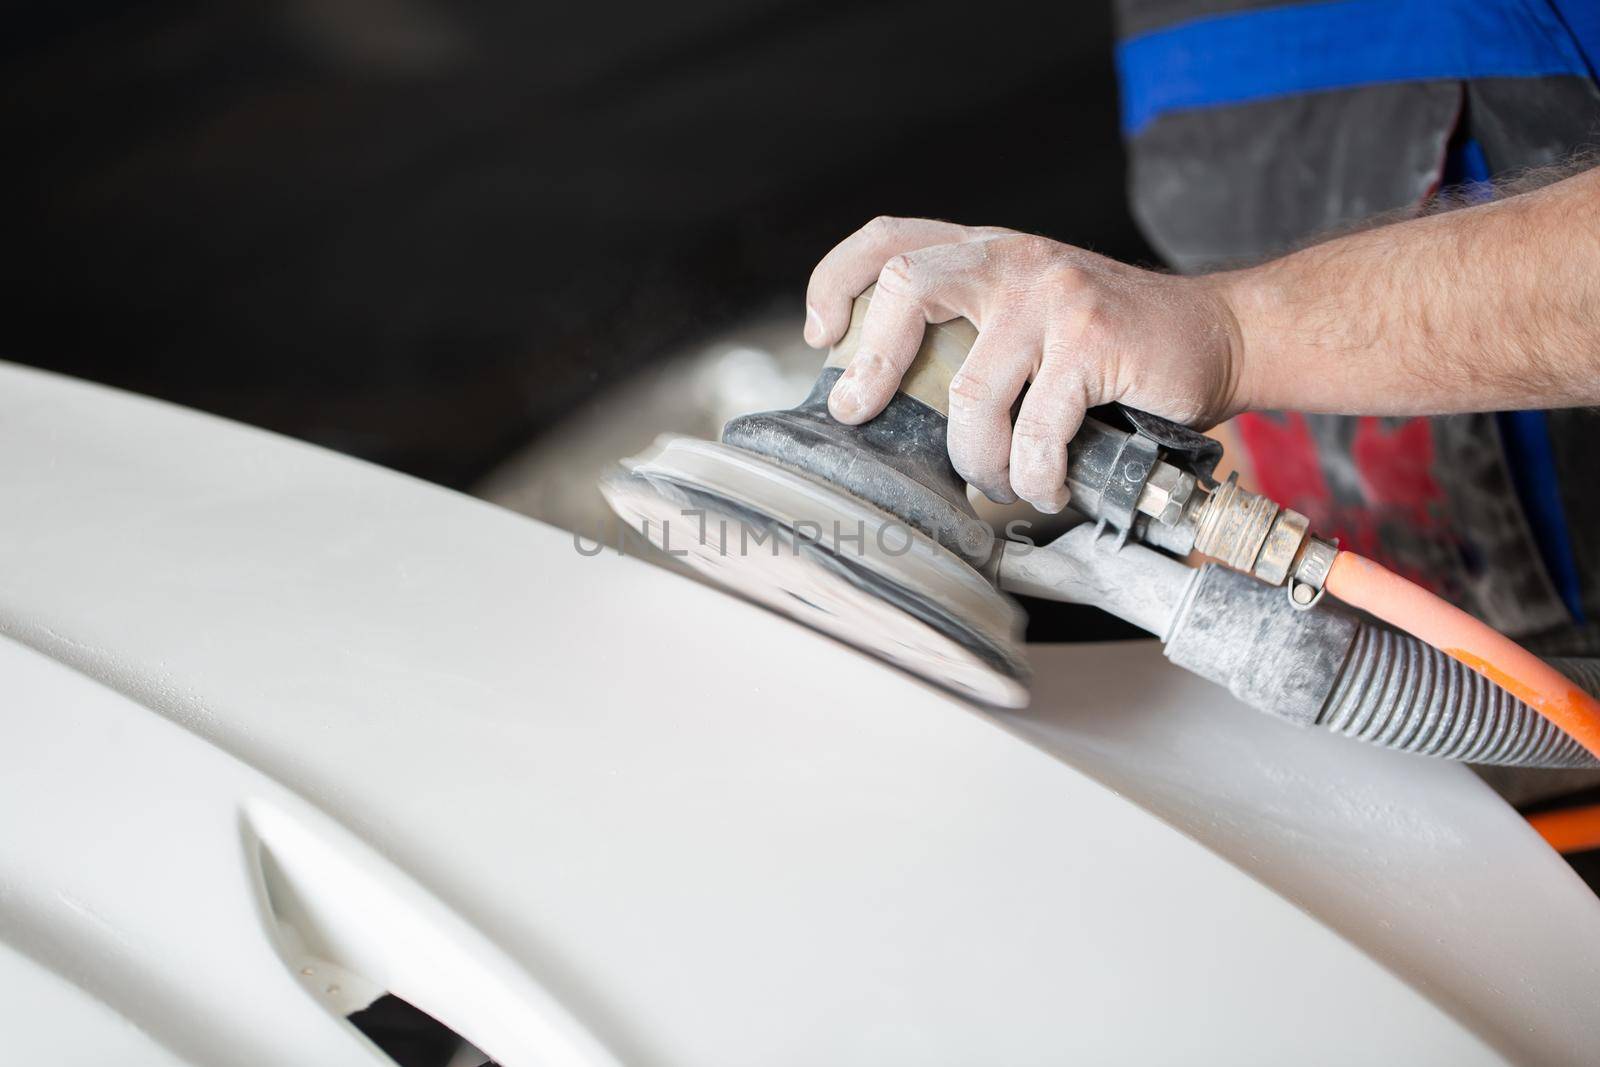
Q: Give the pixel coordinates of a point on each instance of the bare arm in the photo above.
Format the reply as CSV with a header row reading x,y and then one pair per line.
x,y
1490,307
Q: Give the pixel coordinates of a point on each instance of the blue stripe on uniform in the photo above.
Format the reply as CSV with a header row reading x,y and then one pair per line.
x,y
1525,435
1582,19
1313,47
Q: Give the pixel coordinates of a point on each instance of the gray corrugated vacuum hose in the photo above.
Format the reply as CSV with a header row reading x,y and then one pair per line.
x,y
1325,667
1398,692
1329,668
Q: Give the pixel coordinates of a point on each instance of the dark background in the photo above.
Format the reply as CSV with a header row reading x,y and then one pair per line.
x,y
420,231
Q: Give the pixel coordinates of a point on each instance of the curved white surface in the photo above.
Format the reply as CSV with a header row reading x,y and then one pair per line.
x,y
587,811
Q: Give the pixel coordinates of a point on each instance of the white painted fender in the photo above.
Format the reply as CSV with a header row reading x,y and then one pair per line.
x,y
280,730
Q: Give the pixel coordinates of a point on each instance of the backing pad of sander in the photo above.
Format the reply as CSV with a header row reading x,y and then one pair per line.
x,y
827,559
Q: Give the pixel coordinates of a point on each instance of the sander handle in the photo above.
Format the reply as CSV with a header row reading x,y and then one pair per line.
x,y
1109,461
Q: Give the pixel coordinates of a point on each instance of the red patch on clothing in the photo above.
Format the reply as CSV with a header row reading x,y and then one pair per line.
x,y
1284,456
1394,469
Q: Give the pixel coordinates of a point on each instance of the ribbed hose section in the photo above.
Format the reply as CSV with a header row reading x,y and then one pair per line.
x,y
1582,670
1399,692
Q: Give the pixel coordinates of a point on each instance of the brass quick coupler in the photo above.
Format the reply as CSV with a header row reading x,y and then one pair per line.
x,y
1251,533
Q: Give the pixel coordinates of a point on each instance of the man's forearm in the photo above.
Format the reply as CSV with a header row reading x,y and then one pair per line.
x,y
1485,308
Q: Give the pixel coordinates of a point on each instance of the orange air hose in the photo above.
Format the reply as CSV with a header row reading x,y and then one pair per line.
x,y
1375,589
1569,829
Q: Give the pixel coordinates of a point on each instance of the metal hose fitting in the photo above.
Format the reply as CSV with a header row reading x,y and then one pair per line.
x,y
1233,525
1250,533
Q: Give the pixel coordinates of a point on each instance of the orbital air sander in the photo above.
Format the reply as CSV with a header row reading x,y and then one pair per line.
x,y
876,541
866,533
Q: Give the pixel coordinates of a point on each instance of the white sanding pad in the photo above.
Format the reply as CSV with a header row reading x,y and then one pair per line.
x,y
826,559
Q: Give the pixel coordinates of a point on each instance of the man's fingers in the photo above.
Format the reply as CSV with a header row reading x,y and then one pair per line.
x,y
854,263
981,395
891,333
932,284
1050,415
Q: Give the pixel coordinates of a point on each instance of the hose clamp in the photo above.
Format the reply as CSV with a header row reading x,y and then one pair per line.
x,y
1309,580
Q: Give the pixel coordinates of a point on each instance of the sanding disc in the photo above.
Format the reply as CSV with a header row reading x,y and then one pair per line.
x,y
828,559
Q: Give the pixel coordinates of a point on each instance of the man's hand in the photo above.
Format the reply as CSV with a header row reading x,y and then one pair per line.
x,y
1076,328
1487,308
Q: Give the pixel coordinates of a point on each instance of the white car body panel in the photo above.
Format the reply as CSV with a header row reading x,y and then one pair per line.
x,y
586,811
